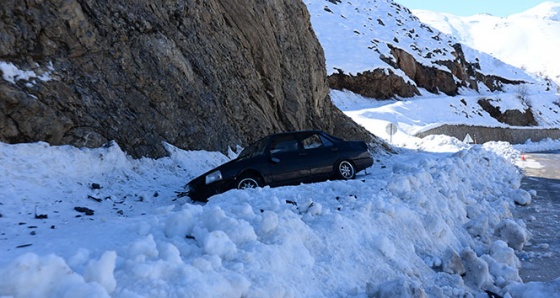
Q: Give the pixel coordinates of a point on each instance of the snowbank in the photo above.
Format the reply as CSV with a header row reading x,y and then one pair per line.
x,y
432,223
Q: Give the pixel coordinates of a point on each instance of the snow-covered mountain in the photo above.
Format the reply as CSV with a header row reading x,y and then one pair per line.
x,y
364,36
528,40
387,39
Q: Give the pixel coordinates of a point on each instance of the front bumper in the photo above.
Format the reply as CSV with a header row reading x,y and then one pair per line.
x,y
198,190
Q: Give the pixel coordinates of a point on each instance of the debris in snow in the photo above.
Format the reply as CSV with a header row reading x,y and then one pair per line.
x,y
95,199
40,216
24,245
291,202
95,186
84,210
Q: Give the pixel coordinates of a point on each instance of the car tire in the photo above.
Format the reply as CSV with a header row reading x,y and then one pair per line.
x,y
345,170
249,181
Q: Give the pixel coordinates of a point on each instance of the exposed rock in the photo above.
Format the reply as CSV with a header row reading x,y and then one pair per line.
x,y
495,83
430,78
380,84
463,70
384,84
196,74
85,210
510,117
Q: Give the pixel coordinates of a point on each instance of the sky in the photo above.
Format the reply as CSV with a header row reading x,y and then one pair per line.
x,y
499,8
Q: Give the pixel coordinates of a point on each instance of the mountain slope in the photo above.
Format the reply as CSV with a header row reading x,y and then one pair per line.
x,y
381,35
528,40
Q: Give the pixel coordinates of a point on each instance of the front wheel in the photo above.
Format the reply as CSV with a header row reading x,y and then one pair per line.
x,y
345,170
249,182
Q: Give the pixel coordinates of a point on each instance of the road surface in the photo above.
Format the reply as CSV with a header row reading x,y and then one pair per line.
x,y
541,256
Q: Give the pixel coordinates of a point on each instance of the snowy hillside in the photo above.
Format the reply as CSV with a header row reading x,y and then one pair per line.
x,y
528,40
356,35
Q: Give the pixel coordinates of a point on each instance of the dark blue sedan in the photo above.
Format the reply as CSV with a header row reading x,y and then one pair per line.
x,y
285,159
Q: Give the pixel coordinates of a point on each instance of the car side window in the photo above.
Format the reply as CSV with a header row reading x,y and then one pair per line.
x,y
284,144
326,141
312,141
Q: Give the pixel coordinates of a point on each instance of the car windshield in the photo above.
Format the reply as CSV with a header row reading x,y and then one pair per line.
x,y
254,149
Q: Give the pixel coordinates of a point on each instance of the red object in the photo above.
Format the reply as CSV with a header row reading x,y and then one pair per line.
x,y
523,156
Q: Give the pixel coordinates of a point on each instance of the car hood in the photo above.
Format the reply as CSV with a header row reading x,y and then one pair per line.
x,y
220,167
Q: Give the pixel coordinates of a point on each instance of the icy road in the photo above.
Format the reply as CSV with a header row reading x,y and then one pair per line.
x,y
541,256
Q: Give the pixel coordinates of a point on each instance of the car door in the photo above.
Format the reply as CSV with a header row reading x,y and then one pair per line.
x,y
287,164
320,155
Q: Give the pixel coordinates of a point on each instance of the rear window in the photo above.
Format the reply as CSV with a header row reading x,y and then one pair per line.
x,y
315,141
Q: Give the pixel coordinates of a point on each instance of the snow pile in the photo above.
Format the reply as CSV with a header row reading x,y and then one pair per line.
x,y
433,223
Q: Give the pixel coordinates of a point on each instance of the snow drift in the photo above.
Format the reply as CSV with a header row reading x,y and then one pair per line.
x,y
433,223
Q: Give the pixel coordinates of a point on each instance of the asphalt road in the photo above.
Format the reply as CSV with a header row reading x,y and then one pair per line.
x,y
541,256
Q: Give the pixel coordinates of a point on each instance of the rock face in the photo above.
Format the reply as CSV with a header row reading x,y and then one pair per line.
x,y
448,79
379,83
509,117
195,74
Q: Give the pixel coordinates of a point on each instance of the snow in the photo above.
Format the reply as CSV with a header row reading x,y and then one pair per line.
x,y
511,39
409,115
12,73
356,35
434,219
417,222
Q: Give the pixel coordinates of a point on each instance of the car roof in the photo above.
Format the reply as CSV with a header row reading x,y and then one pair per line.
x,y
296,132
291,133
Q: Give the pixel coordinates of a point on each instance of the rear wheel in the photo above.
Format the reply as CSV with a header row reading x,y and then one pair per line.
x,y
249,181
345,170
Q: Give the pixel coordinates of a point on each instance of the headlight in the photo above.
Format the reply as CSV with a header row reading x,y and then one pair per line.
x,y
213,177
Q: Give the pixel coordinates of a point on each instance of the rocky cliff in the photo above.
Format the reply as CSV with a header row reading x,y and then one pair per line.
x,y
195,74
